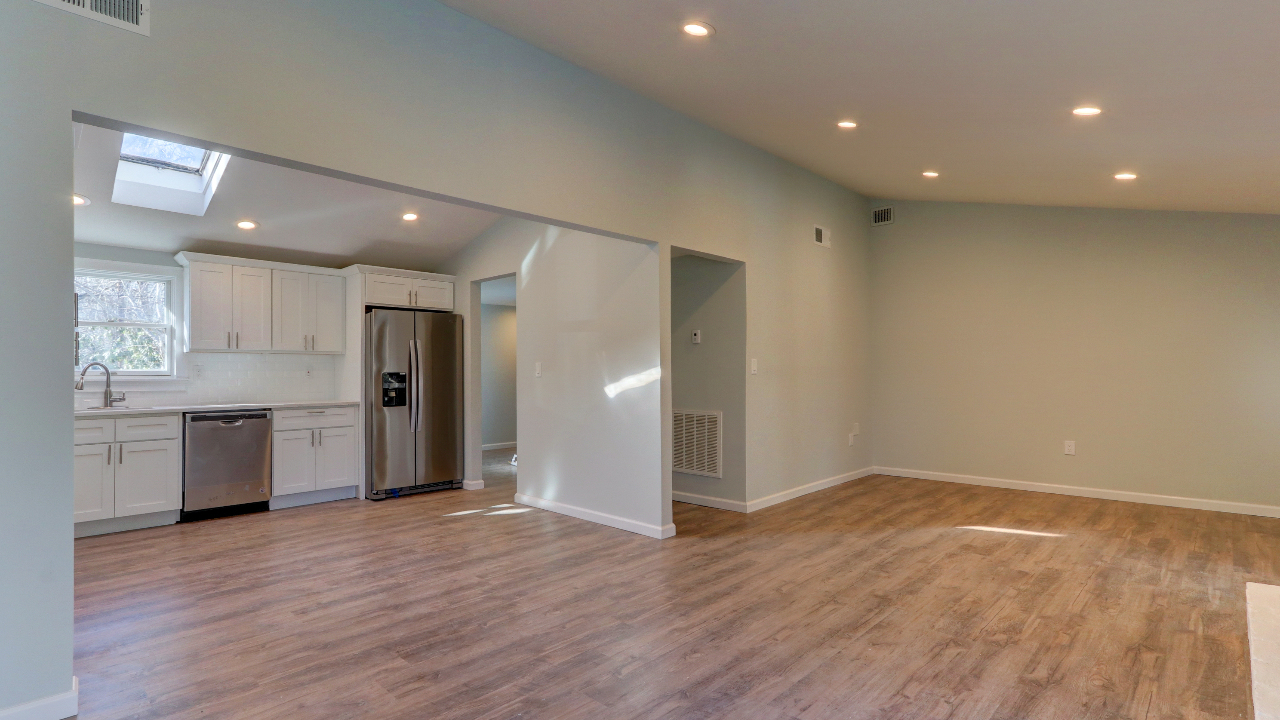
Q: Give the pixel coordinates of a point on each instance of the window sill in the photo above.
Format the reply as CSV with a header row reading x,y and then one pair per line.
x,y
138,382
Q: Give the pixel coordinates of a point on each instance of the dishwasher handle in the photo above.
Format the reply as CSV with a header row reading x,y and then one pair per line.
x,y
231,423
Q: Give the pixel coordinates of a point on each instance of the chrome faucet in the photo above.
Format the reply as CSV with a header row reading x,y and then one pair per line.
x,y
109,399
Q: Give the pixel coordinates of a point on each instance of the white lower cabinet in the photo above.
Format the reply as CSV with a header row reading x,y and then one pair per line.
x,y
315,459
293,462
135,477
336,458
145,477
95,483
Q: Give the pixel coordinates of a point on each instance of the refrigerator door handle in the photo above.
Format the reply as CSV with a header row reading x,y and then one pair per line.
x,y
417,376
413,380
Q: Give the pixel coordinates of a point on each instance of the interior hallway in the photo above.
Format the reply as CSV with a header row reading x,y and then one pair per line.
x,y
865,600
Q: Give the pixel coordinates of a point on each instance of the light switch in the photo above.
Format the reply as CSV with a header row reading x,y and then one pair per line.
x,y
697,337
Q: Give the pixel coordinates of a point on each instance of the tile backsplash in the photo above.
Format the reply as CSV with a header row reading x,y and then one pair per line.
x,y
224,378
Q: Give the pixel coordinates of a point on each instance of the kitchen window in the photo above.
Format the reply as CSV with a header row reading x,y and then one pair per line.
x,y
126,321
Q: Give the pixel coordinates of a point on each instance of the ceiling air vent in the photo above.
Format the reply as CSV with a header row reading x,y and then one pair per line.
x,y
822,236
132,15
882,216
697,447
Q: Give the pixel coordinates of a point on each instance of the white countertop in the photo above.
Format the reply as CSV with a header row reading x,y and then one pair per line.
x,y
174,410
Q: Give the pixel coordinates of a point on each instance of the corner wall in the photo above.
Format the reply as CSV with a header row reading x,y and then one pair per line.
x,y
498,374
1151,339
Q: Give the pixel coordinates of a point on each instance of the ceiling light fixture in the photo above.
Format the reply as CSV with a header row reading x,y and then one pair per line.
x,y
847,124
930,173
410,216
246,224
80,200
1086,111
1126,176
699,29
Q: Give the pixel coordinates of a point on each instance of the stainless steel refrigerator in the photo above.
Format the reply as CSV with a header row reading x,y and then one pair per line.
x,y
413,405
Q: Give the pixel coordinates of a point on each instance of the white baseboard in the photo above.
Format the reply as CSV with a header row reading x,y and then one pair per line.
x,y
635,526
293,500
1098,493
707,501
498,446
785,495
54,707
472,484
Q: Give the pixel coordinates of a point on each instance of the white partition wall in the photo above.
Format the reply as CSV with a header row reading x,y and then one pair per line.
x,y
588,380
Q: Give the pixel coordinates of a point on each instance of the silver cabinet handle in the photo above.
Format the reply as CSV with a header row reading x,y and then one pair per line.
x,y
313,438
315,412
120,456
228,339
108,454
321,438
237,339
304,342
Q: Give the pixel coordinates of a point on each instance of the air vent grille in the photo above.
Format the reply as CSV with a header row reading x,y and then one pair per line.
x,y
822,236
697,446
882,216
132,15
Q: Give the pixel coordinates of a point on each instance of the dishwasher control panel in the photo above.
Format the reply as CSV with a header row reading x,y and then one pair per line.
x,y
395,389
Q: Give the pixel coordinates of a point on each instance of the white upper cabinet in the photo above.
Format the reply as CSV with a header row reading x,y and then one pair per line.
x,y
436,294
328,298
209,314
251,308
292,317
308,312
387,290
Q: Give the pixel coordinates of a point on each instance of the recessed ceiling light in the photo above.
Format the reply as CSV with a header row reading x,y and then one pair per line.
x,y
699,29
847,124
80,200
1086,111
930,173
246,224
1126,176
410,216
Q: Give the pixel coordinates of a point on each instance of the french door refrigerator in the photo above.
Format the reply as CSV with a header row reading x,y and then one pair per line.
x,y
413,402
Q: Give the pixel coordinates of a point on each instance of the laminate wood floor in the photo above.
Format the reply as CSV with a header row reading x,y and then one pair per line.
x,y
862,601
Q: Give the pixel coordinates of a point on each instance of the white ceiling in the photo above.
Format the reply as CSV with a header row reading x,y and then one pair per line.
x,y
498,292
980,91
302,217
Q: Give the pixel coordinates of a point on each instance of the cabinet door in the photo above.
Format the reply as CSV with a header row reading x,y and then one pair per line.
x,y
148,477
209,311
251,304
387,290
292,311
95,483
293,462
336,458
433,294
328,295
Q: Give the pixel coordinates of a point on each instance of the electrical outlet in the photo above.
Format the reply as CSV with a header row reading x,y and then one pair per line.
x,y
754,368
308,372
851,439
1069,447
197,371
697,337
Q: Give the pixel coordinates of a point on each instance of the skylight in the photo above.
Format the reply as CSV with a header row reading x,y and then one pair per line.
x,y
163,154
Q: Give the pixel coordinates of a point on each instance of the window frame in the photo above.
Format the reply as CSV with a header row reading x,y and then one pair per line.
x,y
173,309
168,165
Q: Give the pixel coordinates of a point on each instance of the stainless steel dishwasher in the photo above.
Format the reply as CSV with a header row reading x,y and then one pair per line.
x,y
227,463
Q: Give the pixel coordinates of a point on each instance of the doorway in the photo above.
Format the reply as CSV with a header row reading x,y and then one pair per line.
x,y
498,381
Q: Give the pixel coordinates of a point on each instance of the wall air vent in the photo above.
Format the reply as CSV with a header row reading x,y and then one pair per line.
x,y
822,236
697,443
132,15
882,216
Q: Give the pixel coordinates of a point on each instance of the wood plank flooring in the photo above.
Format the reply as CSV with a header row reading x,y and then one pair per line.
x,y
862,601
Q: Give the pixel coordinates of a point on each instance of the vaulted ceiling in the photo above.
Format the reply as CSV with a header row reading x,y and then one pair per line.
x,y
979,91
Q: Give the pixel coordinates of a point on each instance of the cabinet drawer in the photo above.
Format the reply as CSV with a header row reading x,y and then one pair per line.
x,y
165,427
92,432
314,418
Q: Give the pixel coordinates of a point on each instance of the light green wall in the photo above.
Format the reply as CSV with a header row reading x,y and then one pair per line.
x,y
410,93
498,373
1152,339
711,296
